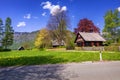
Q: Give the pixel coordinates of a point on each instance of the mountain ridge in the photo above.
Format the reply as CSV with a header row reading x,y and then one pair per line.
x,y
25,39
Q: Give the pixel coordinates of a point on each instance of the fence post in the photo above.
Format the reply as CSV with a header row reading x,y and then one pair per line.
x,y
119,48
101,55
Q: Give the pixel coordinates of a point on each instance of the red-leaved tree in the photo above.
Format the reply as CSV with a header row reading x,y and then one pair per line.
x,y
86,25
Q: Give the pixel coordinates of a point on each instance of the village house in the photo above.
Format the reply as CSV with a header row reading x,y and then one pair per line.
x,y
89,39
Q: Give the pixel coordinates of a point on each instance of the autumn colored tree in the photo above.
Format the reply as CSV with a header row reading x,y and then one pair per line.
x,y
42,39
86,25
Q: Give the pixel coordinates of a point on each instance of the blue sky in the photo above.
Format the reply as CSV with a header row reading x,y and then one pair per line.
x,y
31,15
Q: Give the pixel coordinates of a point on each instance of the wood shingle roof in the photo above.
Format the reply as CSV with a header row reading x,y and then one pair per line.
x,y
91,36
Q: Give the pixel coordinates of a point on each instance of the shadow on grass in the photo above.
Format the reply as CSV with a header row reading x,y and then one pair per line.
x,y
20,70
33,60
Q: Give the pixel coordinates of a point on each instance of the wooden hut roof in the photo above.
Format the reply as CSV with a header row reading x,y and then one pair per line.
x,y
56,43
91,36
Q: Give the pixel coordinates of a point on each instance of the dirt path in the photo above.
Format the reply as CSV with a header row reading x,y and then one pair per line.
x,y
71,71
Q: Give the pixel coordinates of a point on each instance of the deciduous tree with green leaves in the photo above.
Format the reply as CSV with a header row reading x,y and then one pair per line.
x,y
8,34
112,25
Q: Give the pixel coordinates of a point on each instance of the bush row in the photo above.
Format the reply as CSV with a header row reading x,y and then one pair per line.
x,y
112,48
105,48
3,50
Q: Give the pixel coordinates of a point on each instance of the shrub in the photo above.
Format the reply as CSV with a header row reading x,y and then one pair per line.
x,y
111,48
1,49
115,44
4,50
42,49
70,46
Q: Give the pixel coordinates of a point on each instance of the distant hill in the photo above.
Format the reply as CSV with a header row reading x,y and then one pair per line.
x,y
25,39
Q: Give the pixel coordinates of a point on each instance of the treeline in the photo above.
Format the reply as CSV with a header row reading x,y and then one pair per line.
x,y
6,34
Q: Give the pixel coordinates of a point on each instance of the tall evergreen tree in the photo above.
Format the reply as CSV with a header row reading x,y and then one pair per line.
x,y
8,34
112,25
1,30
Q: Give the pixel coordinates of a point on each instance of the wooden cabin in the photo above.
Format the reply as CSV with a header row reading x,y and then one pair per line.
x,y
55,43
89,39
21,48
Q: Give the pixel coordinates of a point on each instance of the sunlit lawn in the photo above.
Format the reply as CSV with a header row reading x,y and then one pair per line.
x,y
35,57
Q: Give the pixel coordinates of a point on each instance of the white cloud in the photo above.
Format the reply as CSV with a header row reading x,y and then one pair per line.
x,y
119,9
44,14
21,24
64,8
27,16
47,5
54,9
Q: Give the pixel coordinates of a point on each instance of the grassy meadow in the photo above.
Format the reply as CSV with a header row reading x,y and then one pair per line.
x,y
36,57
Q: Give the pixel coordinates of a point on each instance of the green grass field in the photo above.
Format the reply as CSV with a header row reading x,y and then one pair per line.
x,y
35,57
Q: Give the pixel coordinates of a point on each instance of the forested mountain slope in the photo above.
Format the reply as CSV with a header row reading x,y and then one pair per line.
x,y
25,39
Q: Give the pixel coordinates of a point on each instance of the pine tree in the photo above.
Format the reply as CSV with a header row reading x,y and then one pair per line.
x,y
1,31
8,34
